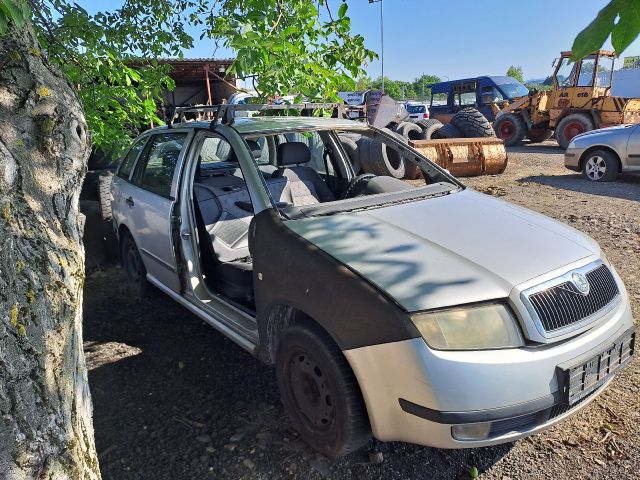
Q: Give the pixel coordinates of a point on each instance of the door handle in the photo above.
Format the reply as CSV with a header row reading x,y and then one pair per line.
x,y
130,202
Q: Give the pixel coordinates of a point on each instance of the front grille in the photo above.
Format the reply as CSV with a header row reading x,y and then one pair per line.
x,y
562,305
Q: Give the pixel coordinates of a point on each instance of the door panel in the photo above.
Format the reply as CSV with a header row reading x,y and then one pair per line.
x,y
147,202
633,149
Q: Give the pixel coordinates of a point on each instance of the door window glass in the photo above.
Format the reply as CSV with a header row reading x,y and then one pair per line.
x,y
605,70
566,73
468,98
155,170
587,71
130,160
216,151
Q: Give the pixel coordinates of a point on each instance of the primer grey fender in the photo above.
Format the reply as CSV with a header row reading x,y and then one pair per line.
x,y
460,248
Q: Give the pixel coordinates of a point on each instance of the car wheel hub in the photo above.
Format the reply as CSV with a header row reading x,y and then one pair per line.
x,y
595,168
310,391
572,129
506,130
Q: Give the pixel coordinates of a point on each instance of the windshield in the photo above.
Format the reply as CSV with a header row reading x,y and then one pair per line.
x,y
513,90
416,108
321,172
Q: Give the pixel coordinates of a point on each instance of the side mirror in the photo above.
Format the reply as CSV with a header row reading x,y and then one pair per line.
x,y
553,64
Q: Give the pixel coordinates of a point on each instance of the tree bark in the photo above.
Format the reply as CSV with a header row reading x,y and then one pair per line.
x,y
46,428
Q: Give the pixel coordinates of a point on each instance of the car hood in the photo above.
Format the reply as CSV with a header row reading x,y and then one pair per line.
x,y
605,131
460,248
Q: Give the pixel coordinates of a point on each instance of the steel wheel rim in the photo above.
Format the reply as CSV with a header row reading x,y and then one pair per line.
x,y
572,129
507,129
134,263
310,392
595,167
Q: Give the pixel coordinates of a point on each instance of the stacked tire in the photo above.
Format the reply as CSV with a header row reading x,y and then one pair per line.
x,y
372,156
379,159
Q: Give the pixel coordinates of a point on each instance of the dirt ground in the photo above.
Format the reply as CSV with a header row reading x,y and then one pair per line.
x,y
173,399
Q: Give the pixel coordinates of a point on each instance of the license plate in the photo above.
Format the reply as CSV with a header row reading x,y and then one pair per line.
x,y
582,378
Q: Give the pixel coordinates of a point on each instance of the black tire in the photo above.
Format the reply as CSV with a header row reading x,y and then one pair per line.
x,y
511,128
320,392
573,125
539,135
410,131
429,127
104,194
472,123
448,131
134,266
601,166
351,147
379,159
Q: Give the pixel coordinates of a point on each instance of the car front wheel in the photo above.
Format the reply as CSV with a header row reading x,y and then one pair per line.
x,y
320,392
600,166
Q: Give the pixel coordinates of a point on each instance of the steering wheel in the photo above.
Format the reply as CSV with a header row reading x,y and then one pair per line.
x,y
355,182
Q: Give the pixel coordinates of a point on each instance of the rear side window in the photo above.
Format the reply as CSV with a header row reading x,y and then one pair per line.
x,y
130,160
156,167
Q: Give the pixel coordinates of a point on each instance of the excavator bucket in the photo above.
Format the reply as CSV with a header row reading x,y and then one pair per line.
x,y
465,157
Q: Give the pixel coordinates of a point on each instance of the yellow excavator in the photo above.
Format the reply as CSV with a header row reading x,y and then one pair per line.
x,y
580,101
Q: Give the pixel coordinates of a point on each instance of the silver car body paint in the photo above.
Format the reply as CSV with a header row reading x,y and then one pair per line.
x,y
460,248
463,381
624,140
456,249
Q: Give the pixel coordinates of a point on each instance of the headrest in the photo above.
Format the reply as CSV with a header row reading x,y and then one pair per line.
x,y
255,148
293,153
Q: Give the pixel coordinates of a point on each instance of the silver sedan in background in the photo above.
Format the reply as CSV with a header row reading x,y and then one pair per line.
x,y
602,154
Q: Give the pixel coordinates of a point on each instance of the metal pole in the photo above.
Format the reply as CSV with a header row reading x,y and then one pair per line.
x,y
382,41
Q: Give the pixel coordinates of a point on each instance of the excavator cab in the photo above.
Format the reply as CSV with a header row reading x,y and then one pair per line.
x,y
576,83
580,101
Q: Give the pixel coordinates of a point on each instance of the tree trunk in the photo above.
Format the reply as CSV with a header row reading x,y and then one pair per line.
x,y
46,429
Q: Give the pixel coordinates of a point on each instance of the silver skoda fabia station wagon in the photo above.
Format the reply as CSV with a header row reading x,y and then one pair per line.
x,y
421,311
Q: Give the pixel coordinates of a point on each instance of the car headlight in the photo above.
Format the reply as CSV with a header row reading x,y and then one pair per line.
x,y
481,327
572,144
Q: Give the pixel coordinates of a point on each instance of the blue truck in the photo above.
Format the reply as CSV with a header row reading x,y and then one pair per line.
x,y
479,92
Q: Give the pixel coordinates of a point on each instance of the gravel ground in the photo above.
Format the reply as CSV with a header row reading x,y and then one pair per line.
x,y
175,400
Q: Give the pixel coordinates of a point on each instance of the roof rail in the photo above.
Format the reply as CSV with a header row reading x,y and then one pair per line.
x,y
226,111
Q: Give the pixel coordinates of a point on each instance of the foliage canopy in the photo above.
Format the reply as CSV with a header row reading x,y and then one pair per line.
x,y
287,46
619,18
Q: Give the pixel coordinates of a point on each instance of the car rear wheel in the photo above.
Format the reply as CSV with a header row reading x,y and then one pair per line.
x,y
601,166
320,393
134,267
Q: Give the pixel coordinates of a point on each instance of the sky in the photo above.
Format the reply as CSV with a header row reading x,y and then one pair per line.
x,y
455,39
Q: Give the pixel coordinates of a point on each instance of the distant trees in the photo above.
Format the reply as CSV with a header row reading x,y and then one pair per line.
x,y
418,89
516,72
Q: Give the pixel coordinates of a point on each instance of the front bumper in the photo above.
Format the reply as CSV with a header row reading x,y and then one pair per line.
x,y
415,394
572,158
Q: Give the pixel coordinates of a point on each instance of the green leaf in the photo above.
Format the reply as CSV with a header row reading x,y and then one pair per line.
x,y
3,23
596,33
628,26
473,472
342,11
14,12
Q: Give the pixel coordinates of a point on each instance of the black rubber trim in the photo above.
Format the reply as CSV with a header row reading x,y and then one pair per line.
x,y
291,271
597,350
476,416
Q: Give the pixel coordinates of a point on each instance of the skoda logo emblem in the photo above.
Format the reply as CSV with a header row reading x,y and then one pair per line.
x,y
581,283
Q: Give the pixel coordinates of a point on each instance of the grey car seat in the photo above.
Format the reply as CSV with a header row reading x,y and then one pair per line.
x,y
307,187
